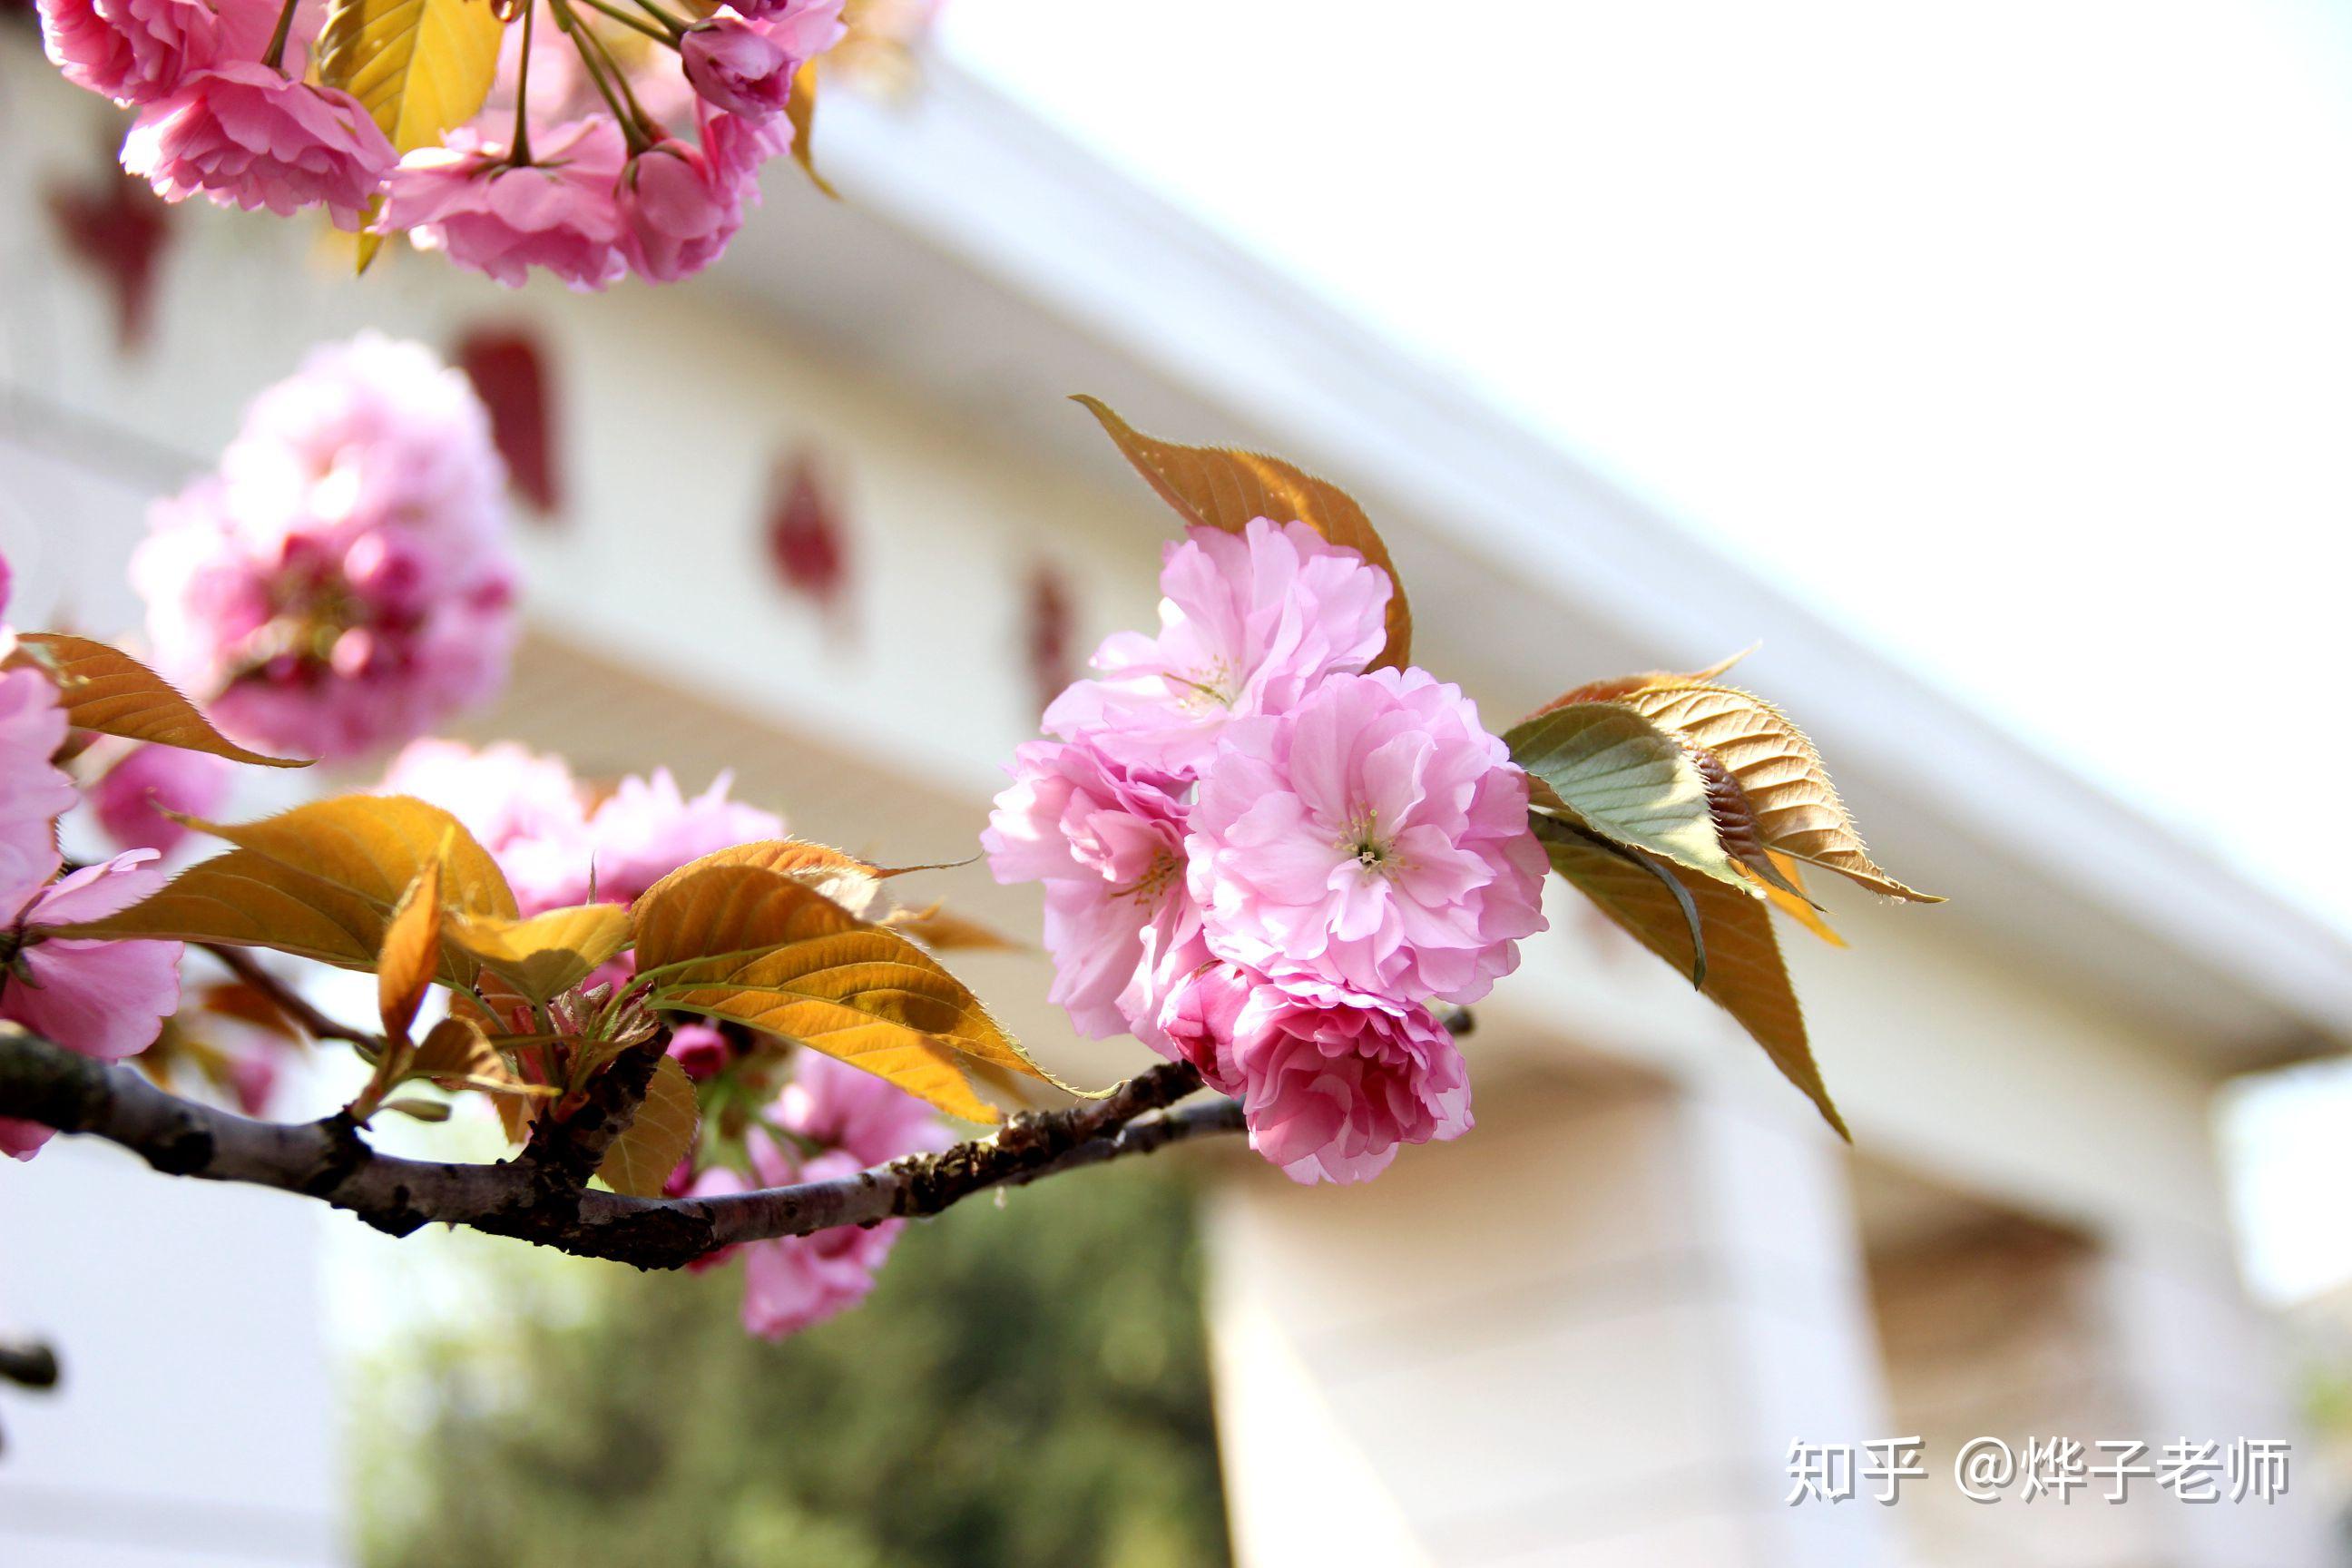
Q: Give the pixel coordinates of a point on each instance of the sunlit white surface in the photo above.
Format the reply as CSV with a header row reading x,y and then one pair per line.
x,y
2017,334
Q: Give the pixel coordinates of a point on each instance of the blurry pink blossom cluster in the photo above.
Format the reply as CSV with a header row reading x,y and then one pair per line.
x,y
552,837
602,186
342,583
1264,860
104,999
832,1122
557,841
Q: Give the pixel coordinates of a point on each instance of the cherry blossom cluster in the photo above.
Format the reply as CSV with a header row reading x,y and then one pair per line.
x,y
1264,858
561,843
104,999
626,137
343,582
832,1121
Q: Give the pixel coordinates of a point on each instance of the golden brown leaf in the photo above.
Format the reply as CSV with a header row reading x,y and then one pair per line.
x,y
1798,810
419,68
941,931
753,944
549,953
658,1137
320,881
1220,488
250,1004
411,953
1745,973
1617,686
853,883
800,109
106,690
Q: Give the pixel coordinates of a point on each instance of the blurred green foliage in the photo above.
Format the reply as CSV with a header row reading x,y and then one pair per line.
x,y
1026,1386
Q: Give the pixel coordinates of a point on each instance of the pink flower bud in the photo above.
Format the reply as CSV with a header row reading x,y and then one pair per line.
x,y
738,66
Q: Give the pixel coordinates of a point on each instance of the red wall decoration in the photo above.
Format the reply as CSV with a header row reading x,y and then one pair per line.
x,y
511,374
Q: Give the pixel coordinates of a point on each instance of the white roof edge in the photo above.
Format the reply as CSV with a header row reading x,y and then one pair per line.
x,y
985,182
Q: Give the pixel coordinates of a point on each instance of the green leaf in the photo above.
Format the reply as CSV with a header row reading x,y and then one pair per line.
x,y
1744,973
106,690
1616,773
656,1138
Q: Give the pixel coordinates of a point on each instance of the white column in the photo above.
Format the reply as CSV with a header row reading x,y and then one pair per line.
x,y
195,1422
1585,1334
2195,1361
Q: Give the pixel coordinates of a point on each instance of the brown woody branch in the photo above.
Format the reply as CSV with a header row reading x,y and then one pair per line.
x,y
288,998
332,1161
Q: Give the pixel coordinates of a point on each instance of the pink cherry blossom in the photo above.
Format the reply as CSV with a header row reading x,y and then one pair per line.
x,y
805,29
505,793
1333,1081
795,1282
343,583
1107,842
738,66
558,213
1249,623
701,1050
104,999
648,828
679,205
134,51
33,793
528,811
130,799
1197,1021
245,135
843,1108
1375,837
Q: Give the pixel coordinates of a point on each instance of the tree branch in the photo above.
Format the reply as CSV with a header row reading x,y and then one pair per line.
x,y
330,1161
288,1000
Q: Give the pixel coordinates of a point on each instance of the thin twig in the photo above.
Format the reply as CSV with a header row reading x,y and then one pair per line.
x,y
318,1026
330,1161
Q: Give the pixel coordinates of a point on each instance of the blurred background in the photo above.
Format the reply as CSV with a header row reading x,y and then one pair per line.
x,y
1986,369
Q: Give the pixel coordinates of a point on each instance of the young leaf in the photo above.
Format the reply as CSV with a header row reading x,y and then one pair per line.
x,y
656,1138
745,943
319,881
1221,487
418,67
1792,900
800,109
941,931
1625,778
106,690
1616,686
1744,974
373,846
549,953
1797,808
456,1053
422,1109
854,884
411,953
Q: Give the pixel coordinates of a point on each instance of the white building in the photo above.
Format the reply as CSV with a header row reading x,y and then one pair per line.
x,y
1587,1335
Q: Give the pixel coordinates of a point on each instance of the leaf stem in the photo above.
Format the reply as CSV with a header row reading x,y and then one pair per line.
x,y
519,149
677,24
274,56
666,33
